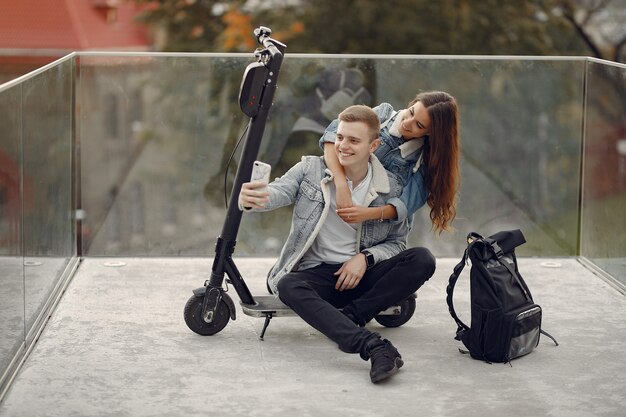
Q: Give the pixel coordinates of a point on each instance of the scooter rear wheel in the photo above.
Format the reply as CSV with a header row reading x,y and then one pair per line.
x,y
193,317
407,308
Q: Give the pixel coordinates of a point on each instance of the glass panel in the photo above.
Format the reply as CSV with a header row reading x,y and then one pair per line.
x,y
157,132
47,138
520,130
11,262
604,181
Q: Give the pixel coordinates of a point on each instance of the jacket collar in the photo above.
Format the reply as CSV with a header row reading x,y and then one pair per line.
x,y
380,180
410,146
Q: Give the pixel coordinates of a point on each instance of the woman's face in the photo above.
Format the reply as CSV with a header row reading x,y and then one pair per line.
x,y
415,122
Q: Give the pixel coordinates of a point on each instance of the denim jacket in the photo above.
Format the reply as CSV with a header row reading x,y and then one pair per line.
x,y
307,186
398,156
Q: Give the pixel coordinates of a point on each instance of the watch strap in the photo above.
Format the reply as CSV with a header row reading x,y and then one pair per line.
x,y
369,258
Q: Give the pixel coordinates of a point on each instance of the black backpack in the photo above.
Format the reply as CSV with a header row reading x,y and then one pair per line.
x,y
506,323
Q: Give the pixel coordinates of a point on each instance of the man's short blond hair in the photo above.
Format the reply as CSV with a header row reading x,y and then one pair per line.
x,y
364,114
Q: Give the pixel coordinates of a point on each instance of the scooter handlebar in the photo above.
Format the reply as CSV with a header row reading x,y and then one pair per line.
x,y
262,35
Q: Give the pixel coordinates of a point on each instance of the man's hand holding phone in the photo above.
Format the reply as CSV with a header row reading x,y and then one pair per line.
x,y
254,194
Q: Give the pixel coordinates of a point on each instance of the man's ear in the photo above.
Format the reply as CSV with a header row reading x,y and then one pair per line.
x,y
374,145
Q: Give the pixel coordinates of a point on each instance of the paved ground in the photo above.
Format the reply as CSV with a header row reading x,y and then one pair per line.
x,y
117,345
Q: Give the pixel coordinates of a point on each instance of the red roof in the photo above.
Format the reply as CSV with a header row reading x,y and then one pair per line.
x,y
71,25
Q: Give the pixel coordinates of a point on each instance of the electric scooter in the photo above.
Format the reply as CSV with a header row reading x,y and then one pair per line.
x,y
209,309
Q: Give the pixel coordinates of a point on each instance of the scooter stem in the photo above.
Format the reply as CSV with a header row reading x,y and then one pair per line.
x,y
225,245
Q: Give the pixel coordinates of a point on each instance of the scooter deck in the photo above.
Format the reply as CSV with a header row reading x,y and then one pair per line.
x,y
270,305
267,305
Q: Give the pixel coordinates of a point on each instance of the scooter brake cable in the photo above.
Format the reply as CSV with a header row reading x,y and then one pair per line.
x,y
230,159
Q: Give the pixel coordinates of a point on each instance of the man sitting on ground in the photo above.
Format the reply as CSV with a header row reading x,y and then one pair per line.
x,y
327,264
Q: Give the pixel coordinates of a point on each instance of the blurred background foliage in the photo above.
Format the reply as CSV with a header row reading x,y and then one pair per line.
x,y
468,27
529,108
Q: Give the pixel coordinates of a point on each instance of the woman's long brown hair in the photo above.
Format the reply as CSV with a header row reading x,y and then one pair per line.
x,y
441,155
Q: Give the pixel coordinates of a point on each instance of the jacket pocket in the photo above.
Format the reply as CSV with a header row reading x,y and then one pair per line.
x,y
374,232
310,199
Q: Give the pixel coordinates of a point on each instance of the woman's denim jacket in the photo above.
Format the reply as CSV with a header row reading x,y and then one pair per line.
x,y
398,156
307,186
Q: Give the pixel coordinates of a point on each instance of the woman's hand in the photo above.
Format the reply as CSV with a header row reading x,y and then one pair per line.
x,y
358,214
343,196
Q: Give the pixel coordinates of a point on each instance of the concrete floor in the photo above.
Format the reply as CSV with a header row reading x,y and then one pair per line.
x,y
117,345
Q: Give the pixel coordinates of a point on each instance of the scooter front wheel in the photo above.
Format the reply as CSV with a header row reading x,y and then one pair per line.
x,y
194,320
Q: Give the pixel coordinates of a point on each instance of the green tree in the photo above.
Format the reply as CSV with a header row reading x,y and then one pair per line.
x,y
486,27
185,25
598,24
504,27
395,26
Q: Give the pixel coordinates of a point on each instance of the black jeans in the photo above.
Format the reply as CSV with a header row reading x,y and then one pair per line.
x,y
312,295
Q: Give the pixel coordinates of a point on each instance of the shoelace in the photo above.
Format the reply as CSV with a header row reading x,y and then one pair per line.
x,y
386,353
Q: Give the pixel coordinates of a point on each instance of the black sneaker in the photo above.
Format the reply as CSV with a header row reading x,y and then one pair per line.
x,y
385,358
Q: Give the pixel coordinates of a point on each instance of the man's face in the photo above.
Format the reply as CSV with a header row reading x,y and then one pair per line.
x,y
353,145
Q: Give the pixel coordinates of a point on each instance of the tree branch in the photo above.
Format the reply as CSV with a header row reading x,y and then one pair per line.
x,y
569,16
618,49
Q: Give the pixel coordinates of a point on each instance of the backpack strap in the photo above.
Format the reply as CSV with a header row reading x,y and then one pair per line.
x,y
499,253
548,334
461,327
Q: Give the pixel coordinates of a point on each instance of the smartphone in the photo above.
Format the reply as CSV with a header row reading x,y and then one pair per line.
x,y
261,171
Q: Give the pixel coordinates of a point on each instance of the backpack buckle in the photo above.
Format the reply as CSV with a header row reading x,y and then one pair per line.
x,y
460,331
473,236
496,249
